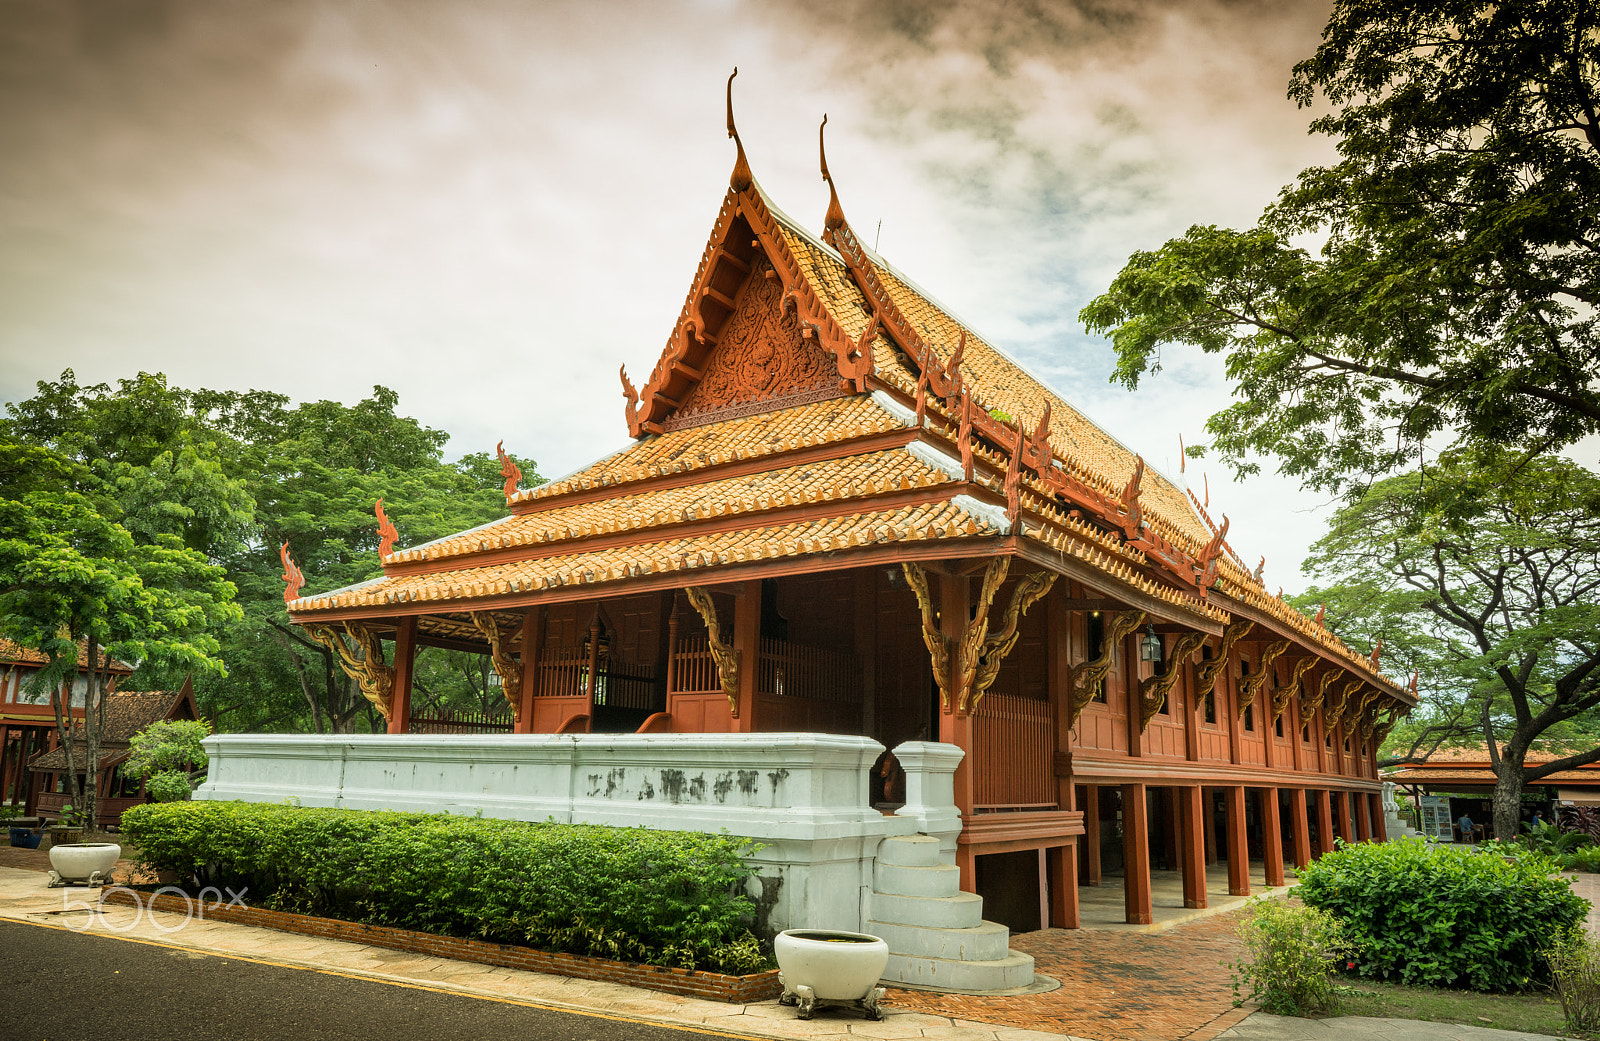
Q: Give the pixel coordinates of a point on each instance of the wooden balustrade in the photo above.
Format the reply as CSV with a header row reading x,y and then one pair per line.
x,y
1014,735
461,721
793,670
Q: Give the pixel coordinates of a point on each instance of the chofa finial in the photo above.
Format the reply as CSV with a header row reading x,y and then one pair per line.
x,y
293,580
835,218
742,178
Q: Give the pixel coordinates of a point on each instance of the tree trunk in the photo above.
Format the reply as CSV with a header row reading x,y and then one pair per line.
x,y
1508,787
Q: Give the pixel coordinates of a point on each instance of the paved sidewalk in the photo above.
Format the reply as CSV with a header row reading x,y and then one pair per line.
x,y
1164,987
23,897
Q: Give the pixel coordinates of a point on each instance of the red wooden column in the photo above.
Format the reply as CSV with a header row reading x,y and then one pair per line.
x,y
1380,828
532,644
747,644
1301,826
1091,834
1238,843
1061,861
955,608
5,765
405,656
1192,850
1324,821
1208,806
1061,866
1358,809
1136,855
1271,836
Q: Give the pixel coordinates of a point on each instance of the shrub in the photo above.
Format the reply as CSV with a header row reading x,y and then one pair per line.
x,y
1290,961
1586,858
662,897
1551,840
168,786
1575,968
1443,915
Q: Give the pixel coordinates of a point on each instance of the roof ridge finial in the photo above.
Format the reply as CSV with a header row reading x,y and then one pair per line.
x,y
741,178
835,218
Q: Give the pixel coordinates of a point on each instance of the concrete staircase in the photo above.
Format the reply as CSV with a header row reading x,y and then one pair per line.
x,y
936,934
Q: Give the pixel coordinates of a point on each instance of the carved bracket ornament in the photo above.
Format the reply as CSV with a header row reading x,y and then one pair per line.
x,y
293,580
375,679
1153,692
509,669
1250,686
1334,712
1029,590
1366,717
1086,678
969,651
1206,676
724,654
509,470
1287,693
933,637
386,531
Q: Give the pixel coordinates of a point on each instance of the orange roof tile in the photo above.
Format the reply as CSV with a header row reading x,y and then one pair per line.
x,y
16,654
941,520
851,478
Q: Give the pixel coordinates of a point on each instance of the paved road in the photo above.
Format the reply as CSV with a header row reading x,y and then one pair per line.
x,y
66,986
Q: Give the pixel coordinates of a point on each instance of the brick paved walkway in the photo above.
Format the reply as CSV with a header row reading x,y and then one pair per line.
x,y
1114,986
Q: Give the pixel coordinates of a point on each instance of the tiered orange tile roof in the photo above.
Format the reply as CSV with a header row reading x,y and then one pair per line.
x,y
715,494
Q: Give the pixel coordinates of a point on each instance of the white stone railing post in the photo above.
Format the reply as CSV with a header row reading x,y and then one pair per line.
x,y
931,791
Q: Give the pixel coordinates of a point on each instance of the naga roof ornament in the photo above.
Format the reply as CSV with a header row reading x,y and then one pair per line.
x,y
386,530
741,178
293,579
509,470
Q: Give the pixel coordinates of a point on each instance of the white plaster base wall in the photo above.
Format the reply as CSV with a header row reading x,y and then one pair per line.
x,y
802,796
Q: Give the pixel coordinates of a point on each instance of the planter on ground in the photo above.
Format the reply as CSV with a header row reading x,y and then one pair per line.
x,y
64,835
830,967
87,863
26,838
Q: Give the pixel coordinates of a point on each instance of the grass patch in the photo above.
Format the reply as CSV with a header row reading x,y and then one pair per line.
x,y
1537,1012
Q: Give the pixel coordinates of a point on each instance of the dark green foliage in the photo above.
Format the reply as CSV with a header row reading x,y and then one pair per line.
x,y
1585,858
1441,915
661,897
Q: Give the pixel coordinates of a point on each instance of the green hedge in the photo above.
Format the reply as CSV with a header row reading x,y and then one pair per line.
x,y
661,897
1443,915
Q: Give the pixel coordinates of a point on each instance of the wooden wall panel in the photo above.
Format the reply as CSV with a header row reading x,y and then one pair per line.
x,y
902,676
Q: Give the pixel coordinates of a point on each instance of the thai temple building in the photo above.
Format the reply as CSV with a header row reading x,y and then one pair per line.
x,y
843,511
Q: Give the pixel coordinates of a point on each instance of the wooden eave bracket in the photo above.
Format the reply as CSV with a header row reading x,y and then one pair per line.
x,y
1209,671
1086,678
1252,683
938,644
724,654
1153,692
372,676
508,668
988,652
1287,692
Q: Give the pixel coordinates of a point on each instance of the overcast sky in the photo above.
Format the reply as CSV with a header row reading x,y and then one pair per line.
x,y
490,206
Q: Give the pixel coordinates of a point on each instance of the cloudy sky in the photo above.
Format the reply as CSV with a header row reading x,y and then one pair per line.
x,y
490,206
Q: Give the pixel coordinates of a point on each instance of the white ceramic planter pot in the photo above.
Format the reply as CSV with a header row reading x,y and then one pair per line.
x,y
81,861
830,967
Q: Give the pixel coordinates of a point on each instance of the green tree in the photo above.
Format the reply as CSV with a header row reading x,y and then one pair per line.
x,y
234,475
165,753
1486,570
1455,288
71,576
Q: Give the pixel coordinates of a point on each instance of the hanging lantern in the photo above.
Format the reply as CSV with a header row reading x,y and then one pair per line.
x,y
1150,646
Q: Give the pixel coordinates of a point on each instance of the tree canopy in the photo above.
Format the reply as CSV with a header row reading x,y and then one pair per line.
x,y
1453,292
1483,571
229,476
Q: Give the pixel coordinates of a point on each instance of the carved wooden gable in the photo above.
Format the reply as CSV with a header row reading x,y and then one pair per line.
x,y
762,362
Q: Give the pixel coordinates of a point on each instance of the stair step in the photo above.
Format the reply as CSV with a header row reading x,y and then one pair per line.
x,y
938,880
909,851
988,941
1012,971
961,911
